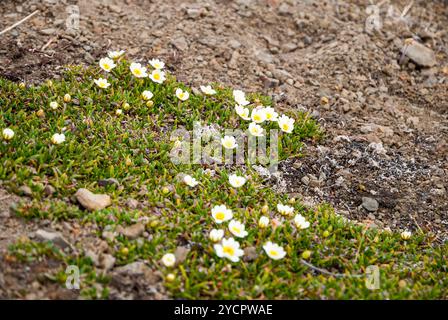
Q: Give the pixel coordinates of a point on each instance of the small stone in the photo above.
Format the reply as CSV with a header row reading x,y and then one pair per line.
x,y
107,261
25,191
413,121
108,182
270,82
369,204
132,203
419,53
250,254
234,44
181,254
52,236
48,31
91,201
134,231
193,13
180,43
138,269
49,190
305,180
108,235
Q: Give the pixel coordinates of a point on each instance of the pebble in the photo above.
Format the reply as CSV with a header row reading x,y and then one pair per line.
x,y
25,191
181,254
108,182
132,232
420,54
369,204
49,190
180,43
91,201
250,254
52,236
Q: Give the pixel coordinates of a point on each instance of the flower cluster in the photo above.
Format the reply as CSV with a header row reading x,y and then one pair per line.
x,y
259,115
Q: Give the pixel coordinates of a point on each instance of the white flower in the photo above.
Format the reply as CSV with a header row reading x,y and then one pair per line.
x,y
115,54
237,229
255,129
182,95
147,95
216,235
229,142
284,209
107,64
102,83
240,97
169,259
189,180
137,70
221,214
286,123
58,138
258,115
208,90
270,113
157,64
263,222
54,105
274,251
242,112
229,249
236,181
301,222
118,112
8,134
157,76
406,235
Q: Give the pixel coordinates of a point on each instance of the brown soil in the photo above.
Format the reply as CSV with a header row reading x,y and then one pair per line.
x,y
386,120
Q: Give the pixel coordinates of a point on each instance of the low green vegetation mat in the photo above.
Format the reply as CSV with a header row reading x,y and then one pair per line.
x,y
117,133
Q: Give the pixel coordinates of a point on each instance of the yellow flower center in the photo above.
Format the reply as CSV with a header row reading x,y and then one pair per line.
x,y
220,216
236,229
137,72
229,250
273,253
156,76
106,66
285,127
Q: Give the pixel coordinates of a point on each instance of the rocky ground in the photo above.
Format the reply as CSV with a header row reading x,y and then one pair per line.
x,y
381,97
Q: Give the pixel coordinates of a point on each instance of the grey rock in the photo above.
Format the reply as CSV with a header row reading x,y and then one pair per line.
x,y
49,190
91,201
180,43
48,31
108,235
25,191
132,232
132,203
52,236
370,204
136,269
181,254
234,44
107,261
305,180
108,182
420,54
250,254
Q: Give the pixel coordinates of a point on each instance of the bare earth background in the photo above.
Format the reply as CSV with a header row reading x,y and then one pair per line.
x,y
386,120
